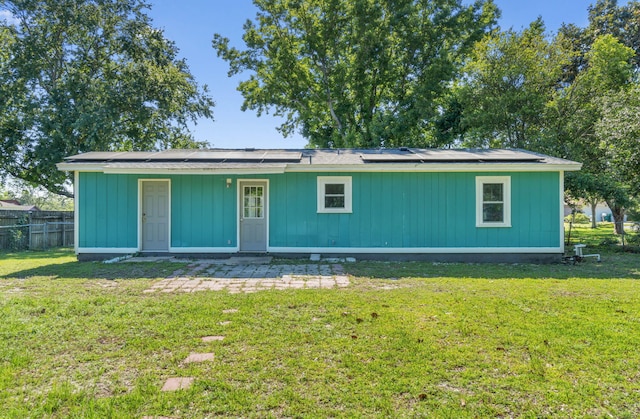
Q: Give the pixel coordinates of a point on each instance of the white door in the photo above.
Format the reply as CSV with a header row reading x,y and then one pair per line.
x,y
253,216
155,216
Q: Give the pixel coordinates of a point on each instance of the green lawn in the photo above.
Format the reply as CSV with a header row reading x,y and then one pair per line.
x,y
403,340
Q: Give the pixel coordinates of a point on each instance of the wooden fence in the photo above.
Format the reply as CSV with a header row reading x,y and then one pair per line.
x,y
35,230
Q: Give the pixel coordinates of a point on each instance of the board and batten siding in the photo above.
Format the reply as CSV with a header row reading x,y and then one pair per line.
x,y
108,208
394,210
203,211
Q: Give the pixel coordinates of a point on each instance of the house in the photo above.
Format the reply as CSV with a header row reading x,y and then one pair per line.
x,y
14,205
446,205
603,212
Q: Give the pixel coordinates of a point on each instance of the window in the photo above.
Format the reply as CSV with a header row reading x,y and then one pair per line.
x,y
334,194
493,201
253,202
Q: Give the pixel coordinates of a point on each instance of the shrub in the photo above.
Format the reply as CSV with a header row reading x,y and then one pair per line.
x,y
633,214
579,219
609,241
18,239
632,238
19,235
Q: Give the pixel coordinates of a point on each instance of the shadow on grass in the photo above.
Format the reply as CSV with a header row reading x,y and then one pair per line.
x,y
613,266
97,270
34,255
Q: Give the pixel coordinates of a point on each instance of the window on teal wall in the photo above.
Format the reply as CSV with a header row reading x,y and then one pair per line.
x,y
493,201
334,194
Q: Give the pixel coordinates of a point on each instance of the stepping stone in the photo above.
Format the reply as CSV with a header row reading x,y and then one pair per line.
x,y
177,383
230,311
156,417
224,323
196,357
212,338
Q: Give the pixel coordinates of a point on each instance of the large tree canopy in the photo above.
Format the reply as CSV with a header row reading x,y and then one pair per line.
x,y
508,81
83,75
579,109
355,73
619,133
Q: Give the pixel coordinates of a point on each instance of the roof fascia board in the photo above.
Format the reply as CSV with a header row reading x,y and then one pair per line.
x,y
437,167
215,171
377,167
80,167
104,168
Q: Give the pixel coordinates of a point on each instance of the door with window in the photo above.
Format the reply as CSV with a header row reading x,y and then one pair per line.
x,y
253,216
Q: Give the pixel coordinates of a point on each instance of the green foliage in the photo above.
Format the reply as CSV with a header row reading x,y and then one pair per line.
x,y
26,194
609,64
18,236
578,110
579,218
633,238
357,73
634,211
509,79
619,132
85,76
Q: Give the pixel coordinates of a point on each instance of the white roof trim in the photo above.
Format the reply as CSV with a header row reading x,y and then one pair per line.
x,y
282,168
437,167
192,171
75,167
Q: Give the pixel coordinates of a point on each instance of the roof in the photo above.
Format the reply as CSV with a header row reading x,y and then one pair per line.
x,y
13,205
279,161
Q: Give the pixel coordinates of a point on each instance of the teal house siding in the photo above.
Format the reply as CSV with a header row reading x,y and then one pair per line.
x,y
414,210
107,210
203,212
390,210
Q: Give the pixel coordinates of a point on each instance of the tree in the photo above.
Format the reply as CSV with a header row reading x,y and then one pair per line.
x,y
27,194
575,114
606,17
584,187
354,73
508,81
88,75
619,133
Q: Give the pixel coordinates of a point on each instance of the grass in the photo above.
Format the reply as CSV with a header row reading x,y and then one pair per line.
x,y
403,340
602,236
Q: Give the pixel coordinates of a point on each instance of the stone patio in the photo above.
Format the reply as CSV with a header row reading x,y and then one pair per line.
x,y
238,276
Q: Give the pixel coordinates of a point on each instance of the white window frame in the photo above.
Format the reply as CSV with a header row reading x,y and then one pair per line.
x,y
506,190
331,180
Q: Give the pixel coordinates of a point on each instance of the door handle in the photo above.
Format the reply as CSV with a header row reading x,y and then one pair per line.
x,y
144,218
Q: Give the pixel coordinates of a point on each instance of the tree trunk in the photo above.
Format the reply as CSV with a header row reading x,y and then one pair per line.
x,y
594,216
618,218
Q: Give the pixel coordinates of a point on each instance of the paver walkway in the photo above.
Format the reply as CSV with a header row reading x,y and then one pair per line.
x,y
211,275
